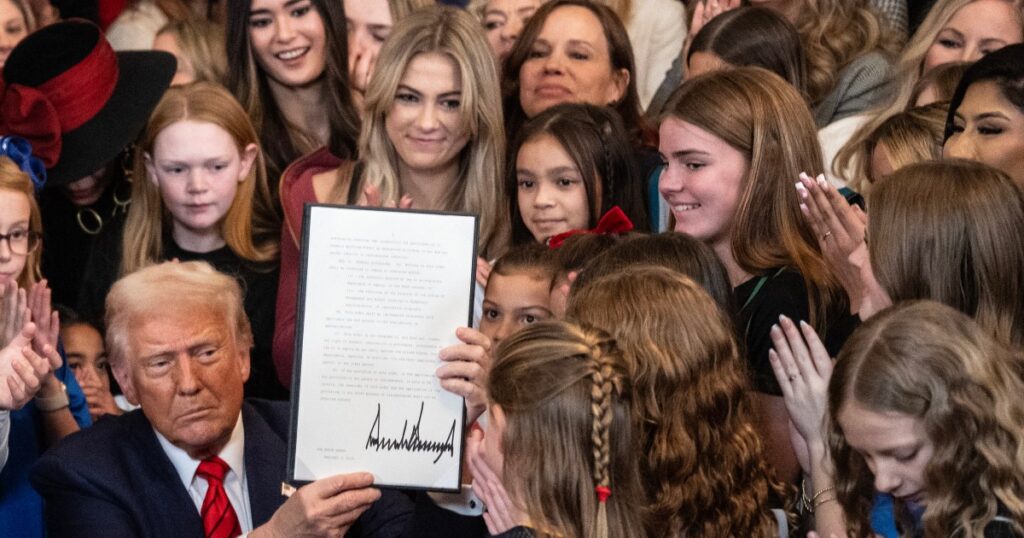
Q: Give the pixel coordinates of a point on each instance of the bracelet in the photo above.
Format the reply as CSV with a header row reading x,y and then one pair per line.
x,y
54,403
822,492
829,499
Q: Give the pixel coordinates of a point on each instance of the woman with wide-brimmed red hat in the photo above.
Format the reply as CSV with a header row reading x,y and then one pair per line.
x,y
79,104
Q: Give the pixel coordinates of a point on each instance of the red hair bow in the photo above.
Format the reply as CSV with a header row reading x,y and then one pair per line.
x,y
26,112
613,222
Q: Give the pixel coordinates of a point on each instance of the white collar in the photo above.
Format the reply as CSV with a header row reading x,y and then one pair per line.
x,y
233,454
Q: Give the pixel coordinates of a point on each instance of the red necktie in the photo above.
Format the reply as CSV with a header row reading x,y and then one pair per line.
x,y
219,518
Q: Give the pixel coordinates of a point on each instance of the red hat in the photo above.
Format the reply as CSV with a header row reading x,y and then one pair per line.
x,y
77,101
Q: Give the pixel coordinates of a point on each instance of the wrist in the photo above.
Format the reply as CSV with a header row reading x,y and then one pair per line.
x,y
50,387
50,399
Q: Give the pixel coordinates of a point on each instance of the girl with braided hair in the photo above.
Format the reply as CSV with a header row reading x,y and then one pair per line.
x,y
558,456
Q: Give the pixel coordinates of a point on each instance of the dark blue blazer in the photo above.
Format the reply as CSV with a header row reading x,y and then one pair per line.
x,y
114,480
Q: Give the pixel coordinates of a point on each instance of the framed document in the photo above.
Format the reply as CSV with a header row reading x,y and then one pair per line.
x,y
381,291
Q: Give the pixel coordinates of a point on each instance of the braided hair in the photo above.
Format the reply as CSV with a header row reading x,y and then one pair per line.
x,y
569,462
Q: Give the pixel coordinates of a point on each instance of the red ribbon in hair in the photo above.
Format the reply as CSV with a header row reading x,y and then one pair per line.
x,y
613,222
60,105
603,492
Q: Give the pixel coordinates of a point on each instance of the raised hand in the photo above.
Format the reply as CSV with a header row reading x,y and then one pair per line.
x,y
702,14
100,401
13,311
22,370
46,319
803,368
465,368
500,513
841,230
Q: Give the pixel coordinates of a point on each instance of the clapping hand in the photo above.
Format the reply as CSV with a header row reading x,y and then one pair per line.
x,y
841,230
46,319
22,370
803,368
13,311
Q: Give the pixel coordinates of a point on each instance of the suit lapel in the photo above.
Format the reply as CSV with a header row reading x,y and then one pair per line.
x,y
265,456
168,507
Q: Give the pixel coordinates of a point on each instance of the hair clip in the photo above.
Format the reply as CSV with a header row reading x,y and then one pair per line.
x,y
19,150
603,492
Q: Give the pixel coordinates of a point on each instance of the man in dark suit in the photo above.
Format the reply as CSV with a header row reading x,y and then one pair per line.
x,y
195,460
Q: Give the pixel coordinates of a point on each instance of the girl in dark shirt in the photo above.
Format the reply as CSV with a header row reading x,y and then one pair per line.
x,y
201,194
734,142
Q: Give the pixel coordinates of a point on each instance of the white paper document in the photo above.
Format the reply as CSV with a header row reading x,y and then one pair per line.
x,y
380,293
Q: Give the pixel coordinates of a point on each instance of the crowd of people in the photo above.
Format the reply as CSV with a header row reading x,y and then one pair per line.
x,y
746,268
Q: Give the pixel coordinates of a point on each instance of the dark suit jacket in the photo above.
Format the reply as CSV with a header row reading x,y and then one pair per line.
x,y
114,480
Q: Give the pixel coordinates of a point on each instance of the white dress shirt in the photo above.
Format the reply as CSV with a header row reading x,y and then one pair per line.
x,y
235,483
5,428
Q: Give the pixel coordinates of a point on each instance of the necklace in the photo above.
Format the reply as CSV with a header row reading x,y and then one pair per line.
x,y
89,220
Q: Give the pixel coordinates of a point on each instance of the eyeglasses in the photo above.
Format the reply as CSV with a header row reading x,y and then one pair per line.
x,y
21,242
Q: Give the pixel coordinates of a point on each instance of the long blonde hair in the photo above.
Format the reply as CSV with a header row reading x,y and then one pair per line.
x,y
12,178
766,119
250,228
456,34
928,361
565,394
702,462
908,72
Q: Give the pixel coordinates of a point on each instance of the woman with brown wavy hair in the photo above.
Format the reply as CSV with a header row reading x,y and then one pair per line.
x,y
926,406
702,463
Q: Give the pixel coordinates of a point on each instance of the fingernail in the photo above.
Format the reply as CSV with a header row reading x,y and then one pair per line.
x,y
783,318
821,180
804,324
803,208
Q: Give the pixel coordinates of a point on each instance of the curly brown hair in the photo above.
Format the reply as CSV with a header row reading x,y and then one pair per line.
x,y
929,361
703,465
835,33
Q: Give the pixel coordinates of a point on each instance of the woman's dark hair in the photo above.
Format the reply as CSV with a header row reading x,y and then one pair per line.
x,y
248,83
755,36
1005,67
594,138
620,52
673,250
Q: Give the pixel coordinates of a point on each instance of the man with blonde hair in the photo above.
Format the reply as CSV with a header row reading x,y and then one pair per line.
x,y
195,460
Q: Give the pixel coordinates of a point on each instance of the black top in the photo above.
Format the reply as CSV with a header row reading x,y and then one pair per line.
x,y
783,292
259,287
67,245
